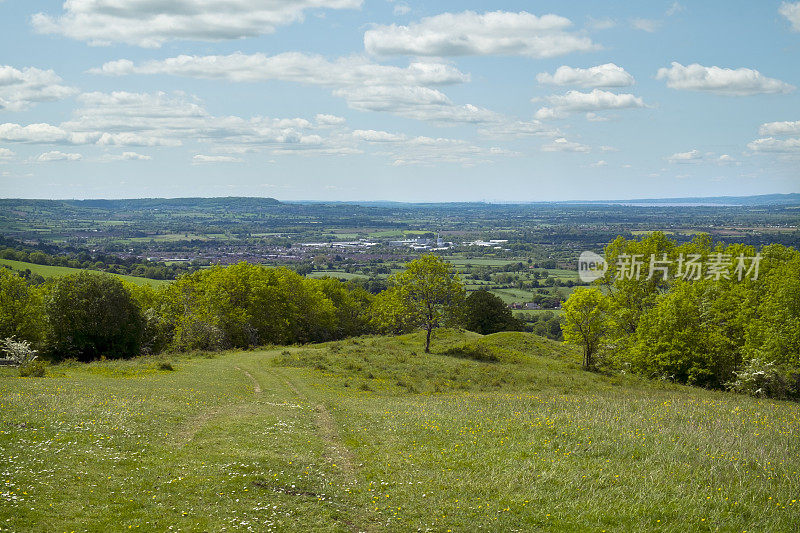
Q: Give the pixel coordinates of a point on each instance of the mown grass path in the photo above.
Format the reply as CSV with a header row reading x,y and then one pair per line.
x,y
234,443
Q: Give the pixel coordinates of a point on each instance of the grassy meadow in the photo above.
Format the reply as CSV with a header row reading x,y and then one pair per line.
x,y
49,271
499,433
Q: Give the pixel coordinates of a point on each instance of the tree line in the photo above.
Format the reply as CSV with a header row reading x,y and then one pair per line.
x,y
91,315
735,324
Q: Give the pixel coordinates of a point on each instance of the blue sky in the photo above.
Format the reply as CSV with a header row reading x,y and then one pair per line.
x,y
398,100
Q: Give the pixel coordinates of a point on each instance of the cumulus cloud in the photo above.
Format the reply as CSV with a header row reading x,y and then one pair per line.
x,y
780,128
20,89
127,156
6,154
420,103
725,81
469,33
686,157
38,134
55,155
329,120
292,66
696,157
791,11
576,101
150,24
366,86
598,164
773,145
513,129
563,145
607,75
376,136
159,119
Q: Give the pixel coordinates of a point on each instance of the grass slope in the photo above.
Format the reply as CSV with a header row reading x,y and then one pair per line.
x,y
47,271
340,441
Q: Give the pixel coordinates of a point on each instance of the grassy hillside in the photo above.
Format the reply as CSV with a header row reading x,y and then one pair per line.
x,y
48,271
353,436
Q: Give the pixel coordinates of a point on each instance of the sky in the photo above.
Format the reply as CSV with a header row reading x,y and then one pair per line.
x,y
347,100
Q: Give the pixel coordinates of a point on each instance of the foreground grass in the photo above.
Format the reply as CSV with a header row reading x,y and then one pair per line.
x,y
370,434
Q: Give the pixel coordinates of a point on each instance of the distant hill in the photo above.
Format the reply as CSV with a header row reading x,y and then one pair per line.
x,y
761,199
178,204
244,203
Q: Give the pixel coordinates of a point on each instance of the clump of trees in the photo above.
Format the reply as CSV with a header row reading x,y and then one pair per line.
x,y
92,315
700,327
486,313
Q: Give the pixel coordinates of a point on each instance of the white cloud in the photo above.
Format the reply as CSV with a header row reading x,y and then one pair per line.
x,y
515,129
420,103
598,164
780,128
149,23
127,156
576,101
38,134
292,66
725,81
773,145
686,157
329,120
607,75
377,136
20,89
470,33
563,145
6,154
157,119
58,156
648,25
202,158
366,86
696,157
791,10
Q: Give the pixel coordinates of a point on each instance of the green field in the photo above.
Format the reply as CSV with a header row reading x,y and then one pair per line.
x,y
47,271
369,434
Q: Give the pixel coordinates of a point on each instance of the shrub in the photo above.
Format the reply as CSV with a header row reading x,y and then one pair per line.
x,y
92,315
18,351
165,365
760,378
33,369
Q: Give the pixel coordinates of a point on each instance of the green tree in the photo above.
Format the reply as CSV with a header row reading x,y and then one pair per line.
x,y
21,312
685,336
485,313
586,321
427,295
91,315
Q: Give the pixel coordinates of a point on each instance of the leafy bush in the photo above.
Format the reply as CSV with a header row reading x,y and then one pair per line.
x,y
91,315
18,351
33,369
165,365
762,379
